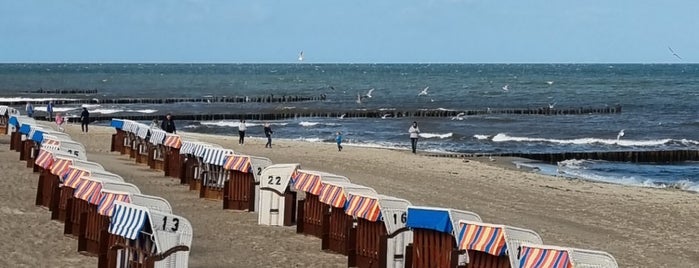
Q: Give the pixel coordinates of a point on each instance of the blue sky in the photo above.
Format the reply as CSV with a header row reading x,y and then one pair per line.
x,y
402,31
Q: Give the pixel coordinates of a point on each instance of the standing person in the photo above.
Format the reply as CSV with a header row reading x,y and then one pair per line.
x,y
338,139
414,135
49,110
30,109
268,133
84,119
168,124
241,131
59,122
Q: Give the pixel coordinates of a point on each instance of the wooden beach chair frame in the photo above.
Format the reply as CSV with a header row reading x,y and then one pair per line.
x,y
310,210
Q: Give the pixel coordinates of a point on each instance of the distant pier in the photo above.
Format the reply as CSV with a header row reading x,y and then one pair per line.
x,y
292,113
660,156
214,99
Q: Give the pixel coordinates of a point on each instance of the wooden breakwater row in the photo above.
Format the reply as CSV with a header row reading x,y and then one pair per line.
x,y
291,114
659,156
63,91
234,99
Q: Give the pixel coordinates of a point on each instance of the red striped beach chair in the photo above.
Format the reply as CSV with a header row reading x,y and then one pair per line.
x,y
86,195
311,211
241,189
336,223
492,245
173,161
543,256
380,236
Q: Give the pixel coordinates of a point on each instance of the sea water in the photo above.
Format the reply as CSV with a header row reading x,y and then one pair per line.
x,y
660,105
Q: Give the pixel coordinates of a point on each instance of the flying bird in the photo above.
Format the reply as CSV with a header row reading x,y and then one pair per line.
x,y
621,134
386,116
551,105
342,116
673,53
423,92
459,116
506,88
368,94
549,82
359,98
301,56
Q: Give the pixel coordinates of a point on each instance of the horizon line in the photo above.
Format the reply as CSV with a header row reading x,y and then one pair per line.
x,y
307,63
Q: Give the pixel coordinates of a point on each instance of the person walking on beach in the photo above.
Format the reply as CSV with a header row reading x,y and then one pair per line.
x,y
84,119
30,109
59,122
268,133
168,124
338,139
414,135
241,132
49,110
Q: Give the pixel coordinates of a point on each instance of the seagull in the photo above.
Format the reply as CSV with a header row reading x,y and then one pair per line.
x,y
301,56
423,92
551,105
359,98
491,159
621,134
368,94
386,116
342,116
673,53
549,82
506,87
459,116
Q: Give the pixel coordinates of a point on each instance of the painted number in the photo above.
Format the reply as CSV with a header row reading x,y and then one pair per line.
x,y
73,152
259,171
271,180
403,218
175,221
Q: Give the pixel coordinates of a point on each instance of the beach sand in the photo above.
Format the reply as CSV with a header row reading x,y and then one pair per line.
x,y
641,227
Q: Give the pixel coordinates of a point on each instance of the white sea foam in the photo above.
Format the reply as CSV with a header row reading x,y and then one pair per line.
x,y
106,111
56,109
236,123
308,124
89,106
145,111
436,135
481,137
501,137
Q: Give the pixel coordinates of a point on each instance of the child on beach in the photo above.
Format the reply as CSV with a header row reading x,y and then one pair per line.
x,y
59,122
338,139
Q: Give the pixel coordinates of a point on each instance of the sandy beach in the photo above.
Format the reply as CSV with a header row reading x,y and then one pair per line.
x,y
641,227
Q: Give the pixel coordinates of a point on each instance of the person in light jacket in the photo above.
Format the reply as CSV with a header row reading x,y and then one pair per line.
x,y
414,132
241,132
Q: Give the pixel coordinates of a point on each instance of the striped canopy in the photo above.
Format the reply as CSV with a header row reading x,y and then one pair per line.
x,y
89,191
106,203
363,207
44,159
156,136
60,166
306,182
72,176
216,156
172,141
535,257
51,144
142,131
483,237
332,195
128,220
200,149
238,163
188,147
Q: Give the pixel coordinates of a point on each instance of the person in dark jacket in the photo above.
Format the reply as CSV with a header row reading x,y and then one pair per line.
x,y
168,124
268,133
84,119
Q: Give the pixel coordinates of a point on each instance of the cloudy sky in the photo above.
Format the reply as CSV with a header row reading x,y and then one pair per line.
x,y
383,31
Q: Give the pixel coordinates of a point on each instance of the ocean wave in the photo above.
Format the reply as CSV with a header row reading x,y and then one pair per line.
x,y
436,135
89,106
501,137
581,173
106,111
56,109
481,137
312,124
236,123
145,111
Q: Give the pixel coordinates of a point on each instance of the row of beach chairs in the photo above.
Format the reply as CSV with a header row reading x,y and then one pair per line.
x,y
109,218
371,229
